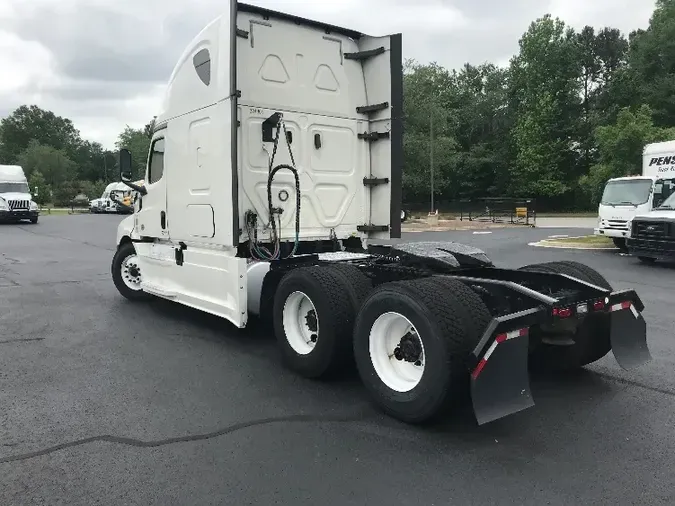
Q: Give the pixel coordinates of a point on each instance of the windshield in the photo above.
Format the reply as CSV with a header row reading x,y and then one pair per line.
x,y
14,188
669,203
626,192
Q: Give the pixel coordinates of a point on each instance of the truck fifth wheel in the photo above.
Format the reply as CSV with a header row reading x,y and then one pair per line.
x,y
274,171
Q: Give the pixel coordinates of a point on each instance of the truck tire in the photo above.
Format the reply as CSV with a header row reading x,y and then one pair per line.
x,y
126,274
592,337
357,284
313,318
620,242
425,373
34,220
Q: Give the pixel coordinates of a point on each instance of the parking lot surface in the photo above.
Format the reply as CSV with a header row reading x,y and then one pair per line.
x,y
104,401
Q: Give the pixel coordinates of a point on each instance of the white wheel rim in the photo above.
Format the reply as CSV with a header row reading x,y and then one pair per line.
x,y
131,273
301,323
399,374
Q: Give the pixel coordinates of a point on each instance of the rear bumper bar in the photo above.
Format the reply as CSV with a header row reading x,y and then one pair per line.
x,y
500,384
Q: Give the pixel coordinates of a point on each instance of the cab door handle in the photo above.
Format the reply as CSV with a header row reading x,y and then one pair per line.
x,y
162,219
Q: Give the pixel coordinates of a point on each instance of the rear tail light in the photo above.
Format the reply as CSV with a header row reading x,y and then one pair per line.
x,y
564,312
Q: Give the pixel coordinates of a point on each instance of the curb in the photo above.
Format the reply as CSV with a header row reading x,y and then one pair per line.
x,y
540,244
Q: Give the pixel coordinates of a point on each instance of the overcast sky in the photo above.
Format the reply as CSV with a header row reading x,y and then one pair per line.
x,y
104,63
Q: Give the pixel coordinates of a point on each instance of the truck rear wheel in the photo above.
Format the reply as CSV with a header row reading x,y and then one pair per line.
x,y
313,316
591,340
126,273
411,344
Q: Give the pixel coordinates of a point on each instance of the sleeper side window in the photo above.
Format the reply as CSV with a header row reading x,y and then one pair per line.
x,y
156,167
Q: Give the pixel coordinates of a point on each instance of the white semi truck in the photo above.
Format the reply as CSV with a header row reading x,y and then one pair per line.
x,y
626,197
16,201
275,170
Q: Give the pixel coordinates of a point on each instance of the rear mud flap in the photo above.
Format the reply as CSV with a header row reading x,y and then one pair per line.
x,y
628,335
500,382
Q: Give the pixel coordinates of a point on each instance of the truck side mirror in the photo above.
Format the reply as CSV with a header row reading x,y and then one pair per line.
x,y
125,164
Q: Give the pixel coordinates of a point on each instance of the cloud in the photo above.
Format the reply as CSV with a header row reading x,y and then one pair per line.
x,y
104,63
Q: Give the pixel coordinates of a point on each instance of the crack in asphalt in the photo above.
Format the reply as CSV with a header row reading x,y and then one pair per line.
x,y
24,340
138,443
635,383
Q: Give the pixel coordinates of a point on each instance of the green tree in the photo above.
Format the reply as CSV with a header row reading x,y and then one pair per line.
x,y
53,164
30,123
620,148
39,188
426,99
601,56
138,142
652,61
545,95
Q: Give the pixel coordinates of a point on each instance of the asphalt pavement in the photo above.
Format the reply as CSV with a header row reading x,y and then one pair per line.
x,y
103,401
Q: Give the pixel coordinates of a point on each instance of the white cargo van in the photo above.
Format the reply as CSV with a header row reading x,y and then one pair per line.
x,y
16,201
626,197
274,168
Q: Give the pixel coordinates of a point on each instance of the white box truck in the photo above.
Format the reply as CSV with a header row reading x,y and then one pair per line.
x,y
626,197
274,171
16,201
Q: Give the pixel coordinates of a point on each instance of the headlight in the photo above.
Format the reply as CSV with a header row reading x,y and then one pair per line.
x,y
33,206
3,205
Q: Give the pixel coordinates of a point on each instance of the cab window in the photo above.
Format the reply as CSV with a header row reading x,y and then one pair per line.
x,y
156,166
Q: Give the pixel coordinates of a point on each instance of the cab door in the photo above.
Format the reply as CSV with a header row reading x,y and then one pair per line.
x,y
151,218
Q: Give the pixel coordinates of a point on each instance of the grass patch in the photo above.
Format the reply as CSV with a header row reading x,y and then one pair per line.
x,y
62,212
589,241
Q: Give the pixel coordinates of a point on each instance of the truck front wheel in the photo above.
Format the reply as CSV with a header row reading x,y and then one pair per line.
x,y
620,243
126,273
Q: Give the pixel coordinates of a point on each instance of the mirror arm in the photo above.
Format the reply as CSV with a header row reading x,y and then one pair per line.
x,y
139,189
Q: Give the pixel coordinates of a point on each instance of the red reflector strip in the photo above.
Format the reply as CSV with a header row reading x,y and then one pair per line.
x,y
624,305
478,368
499,339
598,305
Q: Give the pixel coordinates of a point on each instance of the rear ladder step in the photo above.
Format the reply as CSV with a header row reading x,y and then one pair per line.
x,y
373,136
375,181
367,109
364,55
372,228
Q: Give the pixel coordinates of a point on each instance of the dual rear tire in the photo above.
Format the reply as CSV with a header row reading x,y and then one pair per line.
x,y
591,339
410,340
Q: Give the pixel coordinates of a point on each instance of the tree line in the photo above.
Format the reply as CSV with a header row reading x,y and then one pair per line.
x,y
57,160
571,110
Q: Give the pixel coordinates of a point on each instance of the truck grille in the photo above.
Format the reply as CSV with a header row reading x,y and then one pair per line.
x,y
16,205
653,236
617,225
652,230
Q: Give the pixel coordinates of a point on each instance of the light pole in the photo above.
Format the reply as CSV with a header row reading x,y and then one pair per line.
x,y
431,157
